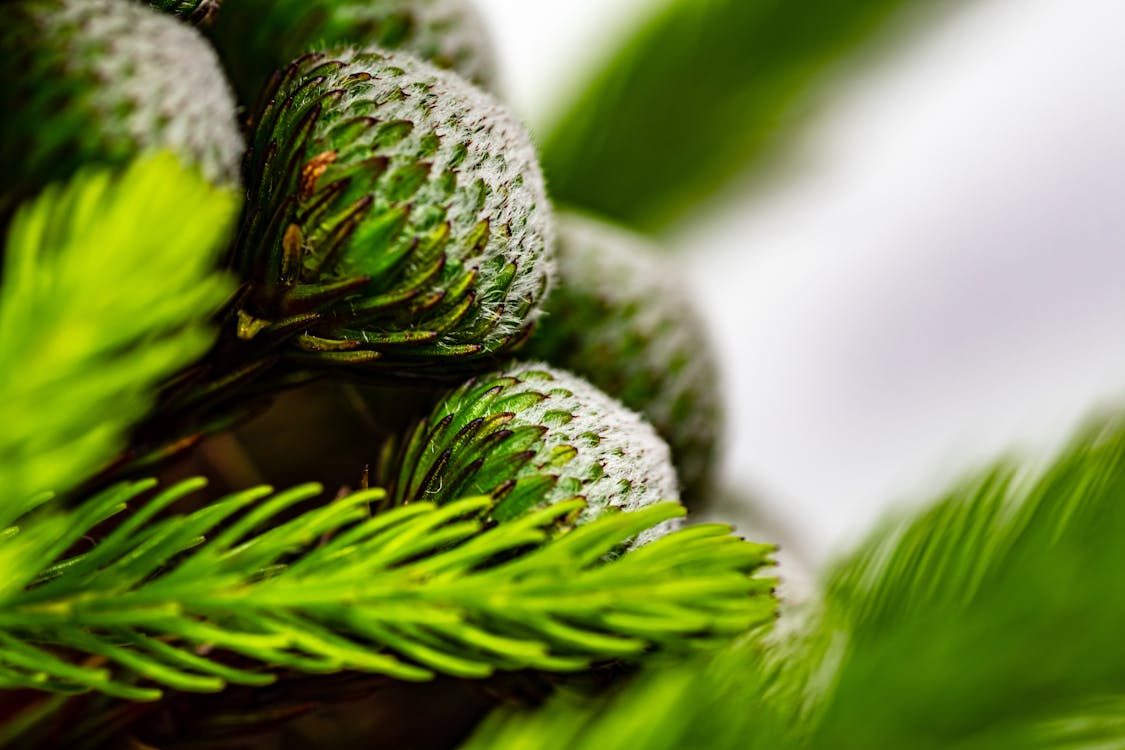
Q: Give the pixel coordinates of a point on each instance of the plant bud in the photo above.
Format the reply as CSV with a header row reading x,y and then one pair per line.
x,y
100,81
396,216
257,37
531,436
619,315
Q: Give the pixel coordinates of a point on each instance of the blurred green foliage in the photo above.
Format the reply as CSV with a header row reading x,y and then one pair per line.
x,y
1000,606
108,287
992,620
693,97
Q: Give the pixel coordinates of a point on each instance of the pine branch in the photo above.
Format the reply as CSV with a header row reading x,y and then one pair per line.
x,y
732,699
107,287
408,593
997,607
991,621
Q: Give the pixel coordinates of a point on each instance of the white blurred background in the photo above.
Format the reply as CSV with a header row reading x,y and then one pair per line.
x,y
939,277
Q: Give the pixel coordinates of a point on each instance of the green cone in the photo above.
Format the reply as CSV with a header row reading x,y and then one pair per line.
x,y
397,217
257,37
199,12
619,316
99,81
531,435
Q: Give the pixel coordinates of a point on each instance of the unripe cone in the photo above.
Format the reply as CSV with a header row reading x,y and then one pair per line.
x,y
396,216
257,37
100,81
619,316
529,436
199,12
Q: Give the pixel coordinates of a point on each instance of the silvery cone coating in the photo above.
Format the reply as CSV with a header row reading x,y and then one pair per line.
x,y
100,81
396,217
531,435
258,37
620,316
199,12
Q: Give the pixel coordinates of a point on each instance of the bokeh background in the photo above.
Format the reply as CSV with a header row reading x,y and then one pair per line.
x,y
931,274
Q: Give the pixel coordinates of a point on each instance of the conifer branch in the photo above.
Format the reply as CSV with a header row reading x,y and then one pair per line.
x,y
258,581
992,620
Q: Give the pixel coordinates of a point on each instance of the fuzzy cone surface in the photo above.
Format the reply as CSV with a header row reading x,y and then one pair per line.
x,y
619,316
397,217
258,37
100,81
530,436
199,12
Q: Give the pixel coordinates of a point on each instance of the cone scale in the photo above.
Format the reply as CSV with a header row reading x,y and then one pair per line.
x,y
258,37
619,315
531,435
398,218
101,82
